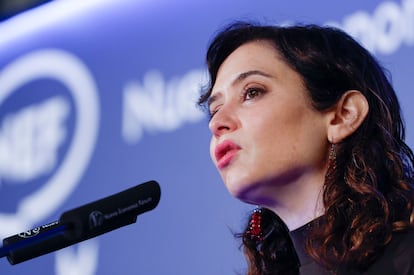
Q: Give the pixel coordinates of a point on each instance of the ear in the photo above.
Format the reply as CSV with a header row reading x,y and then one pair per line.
x,y
347,115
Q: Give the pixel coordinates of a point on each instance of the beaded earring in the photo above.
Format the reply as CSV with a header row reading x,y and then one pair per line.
x,y
255,225
332,162
332,153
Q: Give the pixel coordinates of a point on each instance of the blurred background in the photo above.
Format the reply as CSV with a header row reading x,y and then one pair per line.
x,y
97,96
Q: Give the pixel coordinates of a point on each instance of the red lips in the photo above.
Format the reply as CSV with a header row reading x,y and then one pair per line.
x,y
225,153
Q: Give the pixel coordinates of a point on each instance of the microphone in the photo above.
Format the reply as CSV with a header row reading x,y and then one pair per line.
x,y
82,223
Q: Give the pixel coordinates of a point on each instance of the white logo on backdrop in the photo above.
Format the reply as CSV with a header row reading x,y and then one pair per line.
x,y
30,139
386,30
75,76
159,106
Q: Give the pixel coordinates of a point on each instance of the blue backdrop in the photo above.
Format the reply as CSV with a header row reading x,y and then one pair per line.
x,y
97,96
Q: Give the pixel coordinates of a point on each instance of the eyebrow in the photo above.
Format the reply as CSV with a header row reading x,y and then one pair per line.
x,y
245,75
238,79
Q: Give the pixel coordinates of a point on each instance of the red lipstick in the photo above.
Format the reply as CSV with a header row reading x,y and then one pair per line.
x,y
225,152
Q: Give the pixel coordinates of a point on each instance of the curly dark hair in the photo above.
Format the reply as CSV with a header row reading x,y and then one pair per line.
x,y
370,193
273,251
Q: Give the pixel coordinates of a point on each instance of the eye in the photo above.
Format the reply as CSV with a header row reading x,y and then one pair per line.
x,y
252,92
213,111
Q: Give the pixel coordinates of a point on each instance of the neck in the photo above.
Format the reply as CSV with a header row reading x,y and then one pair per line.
x,y
296,203
298,216
296,197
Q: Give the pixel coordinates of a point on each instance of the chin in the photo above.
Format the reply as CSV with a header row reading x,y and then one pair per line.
x,y
240,191
236,189
252,193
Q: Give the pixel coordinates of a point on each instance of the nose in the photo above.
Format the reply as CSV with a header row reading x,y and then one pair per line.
x,y
223,121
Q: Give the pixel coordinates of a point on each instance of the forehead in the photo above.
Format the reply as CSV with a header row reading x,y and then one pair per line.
x,y
254,53
255,56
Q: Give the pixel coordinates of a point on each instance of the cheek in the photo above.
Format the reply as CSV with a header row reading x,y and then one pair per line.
x,y
285,134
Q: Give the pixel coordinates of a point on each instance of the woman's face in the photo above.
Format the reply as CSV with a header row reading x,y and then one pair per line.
x,y
265,132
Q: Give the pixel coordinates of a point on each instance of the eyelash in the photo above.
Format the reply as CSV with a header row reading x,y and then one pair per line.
x,y
246,93
212,113
249,90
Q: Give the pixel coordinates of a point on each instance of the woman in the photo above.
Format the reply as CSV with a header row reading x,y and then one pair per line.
x,y
306,125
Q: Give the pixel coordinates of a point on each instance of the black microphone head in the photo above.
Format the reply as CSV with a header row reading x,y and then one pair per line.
x,y
111,212
83,223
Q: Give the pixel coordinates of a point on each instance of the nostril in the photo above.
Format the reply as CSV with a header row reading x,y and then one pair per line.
x,y
223,127
220,130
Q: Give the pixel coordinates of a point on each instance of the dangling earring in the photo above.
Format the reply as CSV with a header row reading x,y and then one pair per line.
x,y
255,226
331,163
332,153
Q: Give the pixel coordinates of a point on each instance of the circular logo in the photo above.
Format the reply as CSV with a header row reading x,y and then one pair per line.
x,y
71,72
